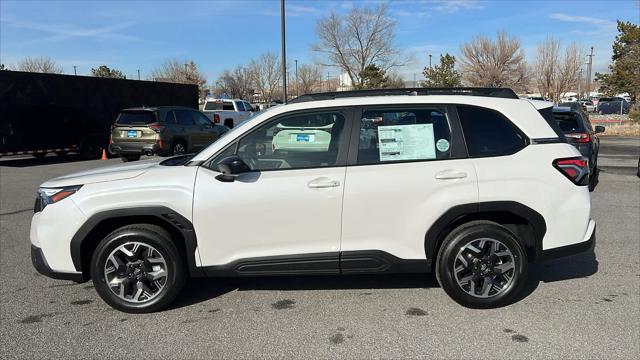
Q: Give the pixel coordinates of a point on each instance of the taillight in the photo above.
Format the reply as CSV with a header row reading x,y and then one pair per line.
x,y
575,169
216,119
579,137
157,128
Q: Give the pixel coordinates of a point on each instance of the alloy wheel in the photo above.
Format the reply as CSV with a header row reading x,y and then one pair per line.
x,y
135,272
484,268
178,149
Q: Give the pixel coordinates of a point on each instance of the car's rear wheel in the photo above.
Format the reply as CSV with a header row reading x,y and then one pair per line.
x,y
138,269
481,264
179,148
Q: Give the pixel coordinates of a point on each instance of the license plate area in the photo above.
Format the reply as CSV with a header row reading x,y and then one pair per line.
x,y
132,133
303,137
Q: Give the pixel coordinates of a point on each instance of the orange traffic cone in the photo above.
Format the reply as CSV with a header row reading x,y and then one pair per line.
x,y
104,154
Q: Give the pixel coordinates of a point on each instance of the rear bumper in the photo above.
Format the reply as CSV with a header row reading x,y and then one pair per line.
x,y
40,263
134,148
588,244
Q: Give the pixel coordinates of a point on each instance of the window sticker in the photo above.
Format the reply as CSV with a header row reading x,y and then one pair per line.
x,y
442,145
406,142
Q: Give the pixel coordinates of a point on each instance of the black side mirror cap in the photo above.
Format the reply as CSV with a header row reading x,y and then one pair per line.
x,y
231,167
599,129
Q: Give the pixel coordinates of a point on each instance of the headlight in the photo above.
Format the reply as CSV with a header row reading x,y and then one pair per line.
x,y
48,196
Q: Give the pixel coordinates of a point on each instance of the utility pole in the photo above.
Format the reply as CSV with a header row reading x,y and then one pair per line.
x,y
74,70
138,74
429,61
185,72
579,81
328,85
284,52
590,56
297,87
414,80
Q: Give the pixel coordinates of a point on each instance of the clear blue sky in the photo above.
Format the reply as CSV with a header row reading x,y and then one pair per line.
x,y
218,35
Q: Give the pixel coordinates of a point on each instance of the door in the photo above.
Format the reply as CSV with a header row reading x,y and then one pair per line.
x,y
284,215
206,134
186,128
409,168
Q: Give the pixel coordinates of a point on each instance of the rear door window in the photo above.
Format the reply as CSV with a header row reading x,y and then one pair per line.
x,y
404,134
183,117
228,105
489,133
136,118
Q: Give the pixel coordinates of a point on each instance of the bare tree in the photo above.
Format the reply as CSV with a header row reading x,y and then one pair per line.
x,y
555,73
545,64
352,42
266,73
174,70
237,84
40,64
309,79
488,63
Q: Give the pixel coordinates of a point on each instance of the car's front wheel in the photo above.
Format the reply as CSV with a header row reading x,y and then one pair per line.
x,y
138,269
481,264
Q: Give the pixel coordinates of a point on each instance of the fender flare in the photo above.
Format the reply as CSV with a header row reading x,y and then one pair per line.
x,y
161,213
439,229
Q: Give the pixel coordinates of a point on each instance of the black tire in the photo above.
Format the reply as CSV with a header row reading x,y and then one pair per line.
x,y
90,149
127,158
472,233
179,147
593,179
148,236
62,154
39,155
228,123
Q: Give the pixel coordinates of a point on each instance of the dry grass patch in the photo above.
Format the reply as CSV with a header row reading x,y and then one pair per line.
x,y
622,130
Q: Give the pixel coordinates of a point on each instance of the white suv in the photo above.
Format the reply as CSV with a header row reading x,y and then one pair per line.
x,y
470,184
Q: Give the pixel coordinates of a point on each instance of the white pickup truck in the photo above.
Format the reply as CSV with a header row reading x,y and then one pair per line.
x,y
227,112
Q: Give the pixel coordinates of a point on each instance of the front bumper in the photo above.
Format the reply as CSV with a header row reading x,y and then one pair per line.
x,y
134,148
40,263
588,244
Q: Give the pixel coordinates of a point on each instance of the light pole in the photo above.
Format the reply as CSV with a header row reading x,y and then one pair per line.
x,y
297,87
579,81
185,72
590,56
138,74
74,70
429,61
284,52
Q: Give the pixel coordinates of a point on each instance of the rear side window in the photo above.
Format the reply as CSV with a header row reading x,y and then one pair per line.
x,y
183,117
136,117
488,133
409,134
547,114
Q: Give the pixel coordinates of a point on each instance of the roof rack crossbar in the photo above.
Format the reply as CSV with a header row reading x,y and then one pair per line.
x,y
472,91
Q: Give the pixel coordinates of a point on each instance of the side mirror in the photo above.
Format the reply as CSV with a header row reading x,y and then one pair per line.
x,y
231,167
599,129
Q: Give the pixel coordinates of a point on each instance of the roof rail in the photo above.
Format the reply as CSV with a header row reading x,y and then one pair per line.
x,y
472,91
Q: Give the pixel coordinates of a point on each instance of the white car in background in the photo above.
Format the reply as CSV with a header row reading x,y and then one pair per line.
x,y
227,112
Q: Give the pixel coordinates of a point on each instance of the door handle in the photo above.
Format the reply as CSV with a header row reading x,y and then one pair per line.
x,y
323,182
450,175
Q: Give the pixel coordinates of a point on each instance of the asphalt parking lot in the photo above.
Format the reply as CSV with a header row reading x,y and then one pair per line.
x,y
585,306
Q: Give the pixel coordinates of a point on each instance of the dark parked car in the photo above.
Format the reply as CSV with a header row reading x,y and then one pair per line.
x,y
164,130
578,130
613,107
